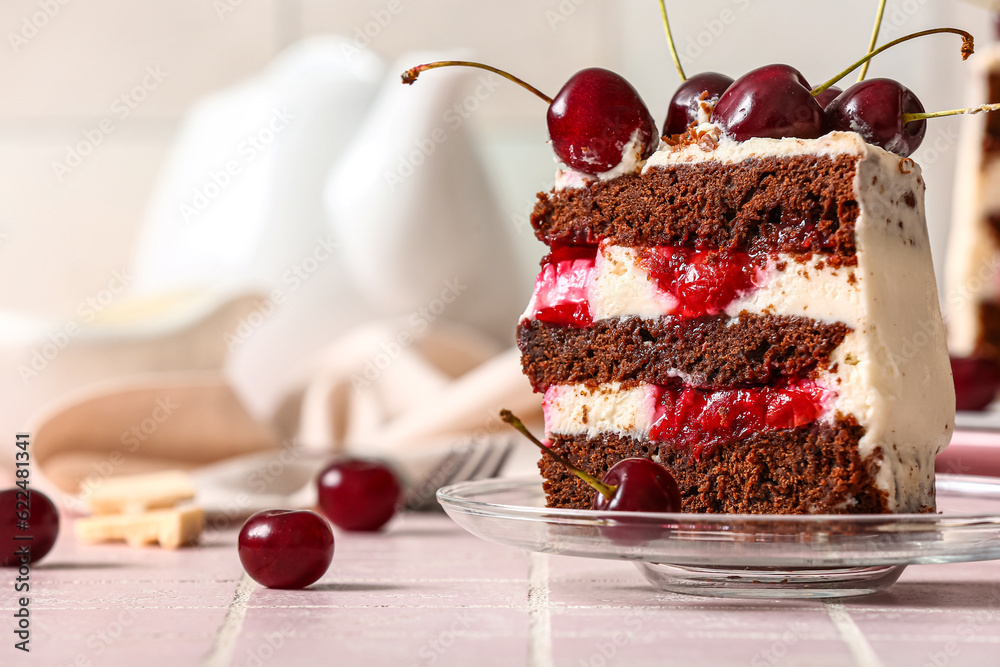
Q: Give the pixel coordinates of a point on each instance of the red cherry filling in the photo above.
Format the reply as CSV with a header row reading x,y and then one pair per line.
x,y
700,418
594,117
874,109
286,548
976,382
40,522
358,495
702,282
561,294
771,101
687,101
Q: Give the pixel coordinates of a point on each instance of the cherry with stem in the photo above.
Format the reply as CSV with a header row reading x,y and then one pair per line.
x,y
670,40
968,48
410,75
630,485
874,39
597,121
606,490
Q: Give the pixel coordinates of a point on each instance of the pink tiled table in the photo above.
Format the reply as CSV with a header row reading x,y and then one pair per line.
x,y
427,593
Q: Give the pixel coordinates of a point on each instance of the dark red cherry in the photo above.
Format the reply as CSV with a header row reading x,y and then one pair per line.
x,y
286,548
828,95
686,103
593,118
976,382
643,486
40,523
358,495
771,101
874,109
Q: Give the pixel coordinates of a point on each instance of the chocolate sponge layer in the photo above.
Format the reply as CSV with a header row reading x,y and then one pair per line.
x,y
751,350
797,204
812,469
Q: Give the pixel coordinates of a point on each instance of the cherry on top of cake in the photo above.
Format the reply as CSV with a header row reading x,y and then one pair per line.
x,y
599,125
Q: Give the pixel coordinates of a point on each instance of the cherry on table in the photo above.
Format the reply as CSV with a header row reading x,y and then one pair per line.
x,y
686,102
976,382
41,517
357,494
594,116
286,548
874,109
771,101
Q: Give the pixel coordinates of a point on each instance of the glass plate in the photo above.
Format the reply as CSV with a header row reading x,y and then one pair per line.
x,y
742,555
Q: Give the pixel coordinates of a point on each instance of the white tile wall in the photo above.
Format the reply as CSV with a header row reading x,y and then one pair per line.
x,y
60,239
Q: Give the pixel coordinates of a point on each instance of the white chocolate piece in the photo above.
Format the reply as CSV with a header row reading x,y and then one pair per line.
x,y
134,494
171,528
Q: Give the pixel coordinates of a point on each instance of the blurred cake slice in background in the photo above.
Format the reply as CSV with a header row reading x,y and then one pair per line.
x,y
972,272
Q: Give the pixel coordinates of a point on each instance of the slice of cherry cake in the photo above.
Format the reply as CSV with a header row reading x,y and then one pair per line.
x,y
760,317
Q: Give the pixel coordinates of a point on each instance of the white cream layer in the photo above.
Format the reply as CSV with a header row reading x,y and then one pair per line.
x,y
891,373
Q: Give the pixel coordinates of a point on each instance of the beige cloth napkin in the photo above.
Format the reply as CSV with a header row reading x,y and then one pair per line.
x,y
379,391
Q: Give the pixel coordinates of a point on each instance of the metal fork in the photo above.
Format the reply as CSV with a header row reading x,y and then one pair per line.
x,y
463,463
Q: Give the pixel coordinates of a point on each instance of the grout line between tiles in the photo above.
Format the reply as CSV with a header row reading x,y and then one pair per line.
x,y
539,611
862,652
221,653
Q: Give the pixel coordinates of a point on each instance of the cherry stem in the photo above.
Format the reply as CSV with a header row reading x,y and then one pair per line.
x,y
410,75
967,49
670,40
982,108
871,44
606,490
